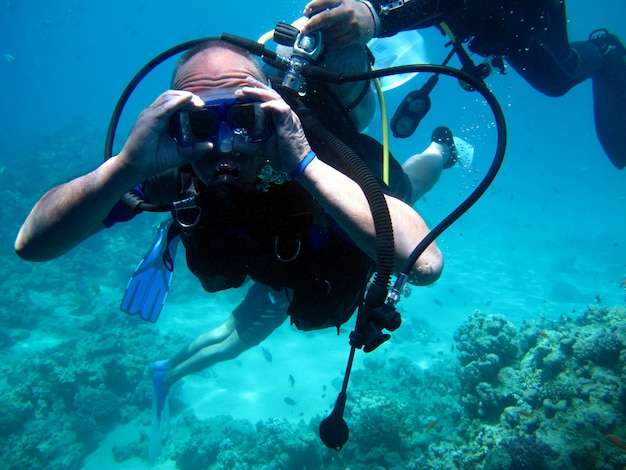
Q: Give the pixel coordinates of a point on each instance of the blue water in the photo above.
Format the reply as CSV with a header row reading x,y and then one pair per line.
x,y
546,240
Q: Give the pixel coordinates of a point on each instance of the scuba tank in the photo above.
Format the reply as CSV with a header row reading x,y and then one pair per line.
x,y
356,101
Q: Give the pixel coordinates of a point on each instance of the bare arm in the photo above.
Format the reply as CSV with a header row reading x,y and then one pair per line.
x,y
345,202
70,213
74,211
342,197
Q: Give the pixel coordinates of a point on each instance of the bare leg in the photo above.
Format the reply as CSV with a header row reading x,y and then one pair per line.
x,y
424,169
219,344
260,313
254,319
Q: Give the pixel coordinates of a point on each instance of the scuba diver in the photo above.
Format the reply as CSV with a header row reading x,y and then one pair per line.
x,y
531,35
252,197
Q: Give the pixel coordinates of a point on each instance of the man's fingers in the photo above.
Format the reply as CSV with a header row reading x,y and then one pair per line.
x,y
176,100
339,36
322,18
313,8
258,91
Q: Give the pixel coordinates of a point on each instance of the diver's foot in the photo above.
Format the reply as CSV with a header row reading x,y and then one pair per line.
x,y
443,135
609,44
613,52
159,389
609,91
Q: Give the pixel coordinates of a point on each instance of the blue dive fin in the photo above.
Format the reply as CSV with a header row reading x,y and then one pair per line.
x,y
149,285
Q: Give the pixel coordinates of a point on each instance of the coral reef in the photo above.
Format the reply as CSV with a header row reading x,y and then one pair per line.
x,y
568,389
527,453
225,443
486,344
546,397
61,404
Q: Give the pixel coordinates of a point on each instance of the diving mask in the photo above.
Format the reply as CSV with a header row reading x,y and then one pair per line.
x,y
245,118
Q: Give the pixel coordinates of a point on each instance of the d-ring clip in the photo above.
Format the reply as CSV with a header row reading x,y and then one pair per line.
x,y
287,258
187,205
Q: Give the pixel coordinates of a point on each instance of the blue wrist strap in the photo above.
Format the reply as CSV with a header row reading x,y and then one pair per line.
x,y
303,164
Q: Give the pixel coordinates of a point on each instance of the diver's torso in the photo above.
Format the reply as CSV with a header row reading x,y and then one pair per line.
x,y
275,237
242,231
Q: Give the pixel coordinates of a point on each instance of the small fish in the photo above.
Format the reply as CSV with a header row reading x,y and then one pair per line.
x,y
543,334
9,58
292,381
266,354
438,302
525,413
290,401
95,288
431,424
598,299
616,441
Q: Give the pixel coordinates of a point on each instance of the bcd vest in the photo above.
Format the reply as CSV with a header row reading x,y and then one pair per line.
x,y
270,236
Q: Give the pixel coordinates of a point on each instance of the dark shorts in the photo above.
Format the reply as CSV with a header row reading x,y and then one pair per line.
x,y
260,313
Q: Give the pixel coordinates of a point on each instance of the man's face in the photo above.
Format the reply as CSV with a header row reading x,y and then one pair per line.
x,y
215,75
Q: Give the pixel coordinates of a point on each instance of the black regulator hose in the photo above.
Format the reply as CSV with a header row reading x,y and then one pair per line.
x,y
479,85
139,76
333,429
498,114
328,147
324,75
474,81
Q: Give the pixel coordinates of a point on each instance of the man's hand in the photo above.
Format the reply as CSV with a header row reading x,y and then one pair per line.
x,y
343,22
288,146
150,149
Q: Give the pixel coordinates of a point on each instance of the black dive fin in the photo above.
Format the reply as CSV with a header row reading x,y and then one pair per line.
x,y
609,97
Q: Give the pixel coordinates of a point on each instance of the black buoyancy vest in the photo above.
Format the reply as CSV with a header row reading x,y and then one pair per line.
x,y
271,237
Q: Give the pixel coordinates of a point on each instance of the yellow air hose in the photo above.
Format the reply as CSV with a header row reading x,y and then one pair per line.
x,y
385,129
